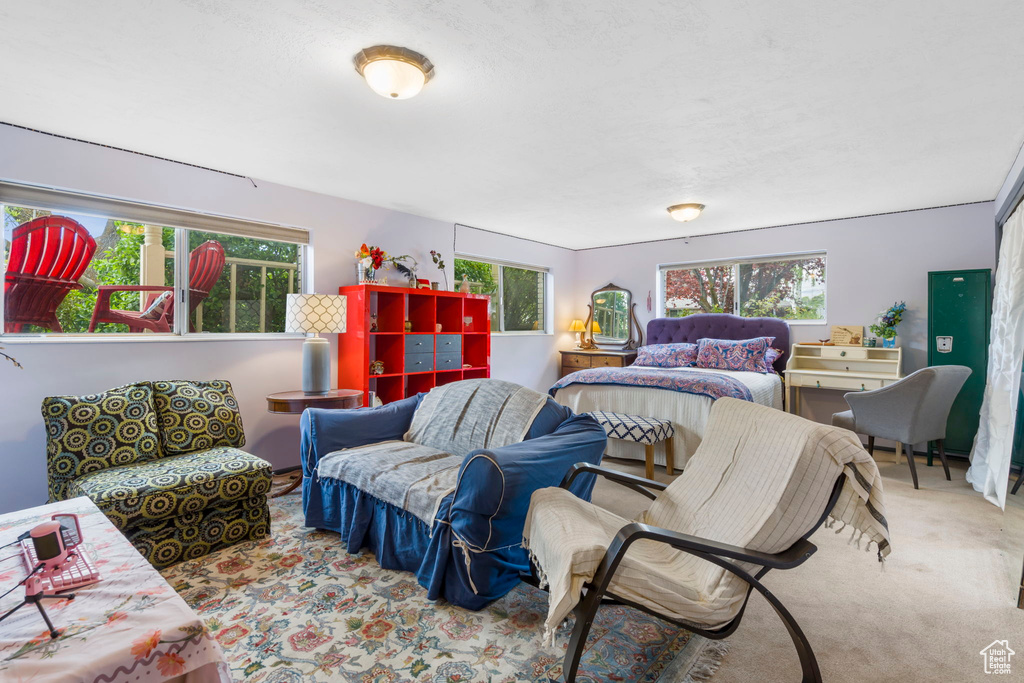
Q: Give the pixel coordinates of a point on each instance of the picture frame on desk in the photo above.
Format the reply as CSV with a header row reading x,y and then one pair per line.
x,y
847,335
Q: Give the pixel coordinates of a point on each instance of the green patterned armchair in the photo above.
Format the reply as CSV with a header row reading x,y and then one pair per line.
x,y
162,461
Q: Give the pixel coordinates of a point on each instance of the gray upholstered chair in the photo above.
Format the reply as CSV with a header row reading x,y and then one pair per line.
x,y
909,411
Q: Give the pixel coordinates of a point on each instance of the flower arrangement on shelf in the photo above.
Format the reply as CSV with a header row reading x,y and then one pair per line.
x,y
887,322
439,262
371,259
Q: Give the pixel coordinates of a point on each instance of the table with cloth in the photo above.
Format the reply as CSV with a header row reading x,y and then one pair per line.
x,y
131,626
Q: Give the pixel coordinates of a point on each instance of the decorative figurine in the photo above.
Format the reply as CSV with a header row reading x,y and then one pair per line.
x,y
408,326
377,367
373,322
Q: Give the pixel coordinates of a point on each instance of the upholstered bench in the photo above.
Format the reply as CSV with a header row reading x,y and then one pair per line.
x,y
646,430
162,460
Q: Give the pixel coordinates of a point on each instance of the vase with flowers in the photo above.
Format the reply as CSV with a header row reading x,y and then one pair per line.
x,y
887,322
370,260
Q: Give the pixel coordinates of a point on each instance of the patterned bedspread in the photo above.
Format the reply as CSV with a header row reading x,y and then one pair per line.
x,y
688,380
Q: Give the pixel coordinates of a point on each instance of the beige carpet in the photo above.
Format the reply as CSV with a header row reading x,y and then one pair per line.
x,y
948,589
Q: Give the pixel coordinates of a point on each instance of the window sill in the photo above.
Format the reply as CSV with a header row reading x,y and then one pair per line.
x,y
798,323
524,333
16,340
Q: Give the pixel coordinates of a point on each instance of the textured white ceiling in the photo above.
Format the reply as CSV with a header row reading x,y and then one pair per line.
x,y
570,122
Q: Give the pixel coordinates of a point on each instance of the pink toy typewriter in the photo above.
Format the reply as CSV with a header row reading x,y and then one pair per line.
x,y
76,571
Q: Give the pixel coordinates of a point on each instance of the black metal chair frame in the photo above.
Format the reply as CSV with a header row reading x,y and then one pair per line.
x,y
720,554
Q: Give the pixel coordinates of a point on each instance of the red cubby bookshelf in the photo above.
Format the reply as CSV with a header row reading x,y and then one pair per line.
x,y
465,315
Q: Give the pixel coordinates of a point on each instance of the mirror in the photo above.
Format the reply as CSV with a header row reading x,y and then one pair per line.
x,y
612,320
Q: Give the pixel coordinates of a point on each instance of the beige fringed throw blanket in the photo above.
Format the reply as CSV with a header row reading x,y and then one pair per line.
x,y
760,480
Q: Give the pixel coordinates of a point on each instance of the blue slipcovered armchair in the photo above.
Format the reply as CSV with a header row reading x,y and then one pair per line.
x,y
472,553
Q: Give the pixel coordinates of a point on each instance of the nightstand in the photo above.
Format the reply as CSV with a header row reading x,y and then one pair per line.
x,y
578,359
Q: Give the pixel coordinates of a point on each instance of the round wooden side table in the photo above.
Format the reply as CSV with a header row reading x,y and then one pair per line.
x,y
294,402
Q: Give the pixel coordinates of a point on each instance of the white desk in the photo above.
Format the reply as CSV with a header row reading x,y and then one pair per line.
x,y
842,368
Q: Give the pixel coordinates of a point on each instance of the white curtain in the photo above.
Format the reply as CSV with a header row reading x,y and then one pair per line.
x,y
993,448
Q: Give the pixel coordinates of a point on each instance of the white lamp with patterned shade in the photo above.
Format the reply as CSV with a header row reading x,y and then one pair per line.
x,y
316,313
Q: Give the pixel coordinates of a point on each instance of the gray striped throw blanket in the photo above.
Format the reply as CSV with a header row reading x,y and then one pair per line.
x,y
477,413
409,476
452,420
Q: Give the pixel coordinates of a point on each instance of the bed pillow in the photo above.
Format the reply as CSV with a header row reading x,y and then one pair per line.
x,y
770,356
747,355
666,356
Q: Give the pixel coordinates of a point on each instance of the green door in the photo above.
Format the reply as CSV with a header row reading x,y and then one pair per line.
x,y
960,306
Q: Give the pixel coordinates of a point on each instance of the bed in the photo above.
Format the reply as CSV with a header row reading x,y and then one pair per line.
x,y
655,392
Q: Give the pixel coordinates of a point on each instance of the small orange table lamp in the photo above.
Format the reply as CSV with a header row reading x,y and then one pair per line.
x,y
577,327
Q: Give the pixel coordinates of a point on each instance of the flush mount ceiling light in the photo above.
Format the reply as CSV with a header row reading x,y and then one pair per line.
x,y
685,212
397,73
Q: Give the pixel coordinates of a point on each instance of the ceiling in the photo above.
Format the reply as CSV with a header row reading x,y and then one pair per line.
x,y
572,122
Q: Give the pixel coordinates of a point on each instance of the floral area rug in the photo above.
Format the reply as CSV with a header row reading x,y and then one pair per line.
x,y
298,607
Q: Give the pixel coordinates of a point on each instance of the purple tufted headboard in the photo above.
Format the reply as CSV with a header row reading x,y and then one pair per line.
x,y
720,326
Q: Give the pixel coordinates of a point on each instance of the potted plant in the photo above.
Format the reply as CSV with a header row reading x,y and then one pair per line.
x,y
887,322
439,262
409,271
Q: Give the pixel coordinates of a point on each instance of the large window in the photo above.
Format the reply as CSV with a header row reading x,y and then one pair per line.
x,y
791,287
518,293
76,264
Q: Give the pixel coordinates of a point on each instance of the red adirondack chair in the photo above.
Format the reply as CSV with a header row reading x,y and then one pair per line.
x,y
48,255
205,264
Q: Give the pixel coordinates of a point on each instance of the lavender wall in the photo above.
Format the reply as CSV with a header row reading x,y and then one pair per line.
x,y
256,368
872,262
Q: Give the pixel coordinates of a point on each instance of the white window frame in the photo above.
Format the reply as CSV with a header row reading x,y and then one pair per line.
x,y
548,281
181,221
735,263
